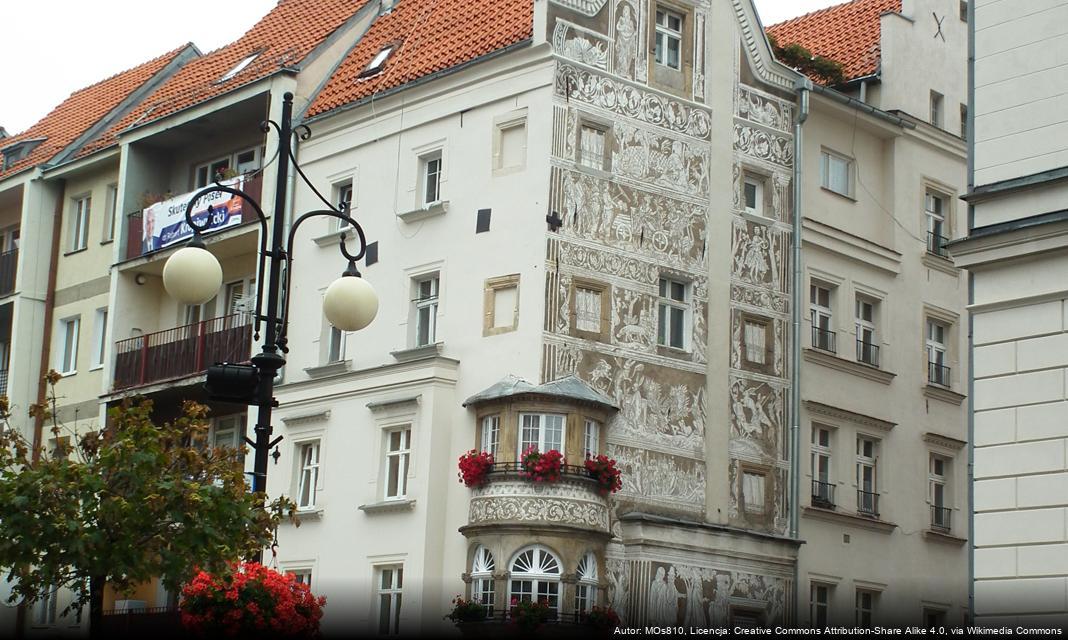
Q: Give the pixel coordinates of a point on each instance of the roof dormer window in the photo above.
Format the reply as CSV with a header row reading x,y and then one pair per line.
x,y
240,66
379,61
18,151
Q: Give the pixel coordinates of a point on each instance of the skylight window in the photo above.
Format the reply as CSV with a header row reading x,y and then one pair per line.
x,y
239,67
379,61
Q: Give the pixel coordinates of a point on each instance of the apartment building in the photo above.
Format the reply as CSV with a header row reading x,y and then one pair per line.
x,y
1015,251
884,377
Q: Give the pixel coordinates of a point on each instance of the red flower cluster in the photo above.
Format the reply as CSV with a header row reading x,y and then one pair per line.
x,y
251,599
542,467
475,468
601,617
603,470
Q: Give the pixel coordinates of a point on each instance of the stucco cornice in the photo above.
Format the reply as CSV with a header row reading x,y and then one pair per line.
x,y
850,246
828,411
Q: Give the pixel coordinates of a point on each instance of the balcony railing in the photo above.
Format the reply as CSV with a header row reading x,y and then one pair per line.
x,y
868,503
868,353
940,518
824,340
3,382
516,467
822,494
9,261
131,623
182,351
938,374
936,244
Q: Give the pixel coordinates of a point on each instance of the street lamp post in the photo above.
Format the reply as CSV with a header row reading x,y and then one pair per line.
x,y
193,275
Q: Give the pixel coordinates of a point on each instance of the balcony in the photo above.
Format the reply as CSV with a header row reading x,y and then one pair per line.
x,y
936,245
868,353
822,494
140,622
868,503
9,261
824,340
941,518
3,382
938,374
182,351
508,498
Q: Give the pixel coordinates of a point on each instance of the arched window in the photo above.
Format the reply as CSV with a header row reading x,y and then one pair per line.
x,y
586,589
482,578
536,577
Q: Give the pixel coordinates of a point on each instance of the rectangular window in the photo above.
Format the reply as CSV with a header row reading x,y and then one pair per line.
x,y
756,341
343,200
482,590
823,334
229,431
937,371
67,354
398,453
668,51
865,605
426,310
867,349
836,173
822,487
100,335
592,146
936,108
543,431
753,196
511,145
430,179
934,207
591,438
753,491
867,490
938,468
79,223
302,576
673,310
820,604
336,348
585,597
209,172
309,475
588,310
45,608
491,434
111,201
390,581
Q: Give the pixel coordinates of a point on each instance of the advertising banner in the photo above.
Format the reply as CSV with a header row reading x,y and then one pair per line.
x,y
163,224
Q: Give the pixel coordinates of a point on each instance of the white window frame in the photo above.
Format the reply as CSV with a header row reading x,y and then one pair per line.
x,y
335,346
937,108
938,485
111,203
395,487
666,35
431,174
544,581
500,130
229,161
538,423
79,229
829,163
390,593
936,348
233,425
865,327
44,610
668,305
425,308
482,582
757,209
309,471
491,434
935,204
822,455
589,309
867,465
864,612
343,192
822,315
100,335
586,587
591,437
378,62
815,604
67,353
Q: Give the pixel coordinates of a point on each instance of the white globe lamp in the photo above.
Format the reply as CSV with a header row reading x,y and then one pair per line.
x,y
350,303
192,275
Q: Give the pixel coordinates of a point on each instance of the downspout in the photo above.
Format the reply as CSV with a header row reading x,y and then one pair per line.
x,y
970,134
803,88
50,303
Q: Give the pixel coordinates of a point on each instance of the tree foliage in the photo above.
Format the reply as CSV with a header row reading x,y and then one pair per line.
x,y
123,505
823,69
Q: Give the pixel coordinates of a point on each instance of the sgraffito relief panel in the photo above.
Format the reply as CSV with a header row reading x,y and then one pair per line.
x,y
661,160
761,144
759,254
699,56
626,39
773,515
770,356
581,44
760,299
761,108
757,415
660,479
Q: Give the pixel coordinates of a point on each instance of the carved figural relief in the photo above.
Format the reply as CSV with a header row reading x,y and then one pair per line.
x,y
623,99
654,476
626,40
757,413
759,254
581,44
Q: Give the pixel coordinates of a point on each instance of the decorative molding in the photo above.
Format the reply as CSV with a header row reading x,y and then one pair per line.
x,y
849,246
387,506
422,213
945,442
881,526
860,419
334,237
945,395
832,361
755,43
568,502
938,263
418,353
588,8
393,403
304,418
315,513
332,369
944,538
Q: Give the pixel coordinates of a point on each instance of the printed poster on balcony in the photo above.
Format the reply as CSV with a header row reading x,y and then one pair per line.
x,y
163,223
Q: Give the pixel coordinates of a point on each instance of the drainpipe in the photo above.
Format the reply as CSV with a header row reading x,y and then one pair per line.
x,y
803,88
50,303
970,134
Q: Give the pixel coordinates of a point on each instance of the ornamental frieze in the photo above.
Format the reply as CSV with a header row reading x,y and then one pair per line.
x,y
764,145
762,108
657,477
564,502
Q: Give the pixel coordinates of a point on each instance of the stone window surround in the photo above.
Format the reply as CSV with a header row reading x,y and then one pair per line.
x,y
605,289
684,75
489,304
603,124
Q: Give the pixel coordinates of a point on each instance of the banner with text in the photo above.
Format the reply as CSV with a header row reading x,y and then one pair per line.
x,y
163,223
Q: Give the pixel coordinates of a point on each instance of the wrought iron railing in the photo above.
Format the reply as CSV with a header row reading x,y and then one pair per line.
x,y
822,494
868,503
517,467
936,244
9,262
3,382
824,339
868,353
182,351
941,518
552,616
938,374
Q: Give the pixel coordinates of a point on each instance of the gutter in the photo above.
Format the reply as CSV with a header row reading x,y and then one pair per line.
x,y
970,133
841,98
804,86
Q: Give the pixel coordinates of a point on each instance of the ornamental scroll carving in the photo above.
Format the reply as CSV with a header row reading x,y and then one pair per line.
x,y
580,44
518,501
764,145
762,109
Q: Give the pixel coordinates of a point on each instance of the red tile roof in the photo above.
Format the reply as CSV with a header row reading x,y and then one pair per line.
x,y
847,33
434,35
283,38
84,108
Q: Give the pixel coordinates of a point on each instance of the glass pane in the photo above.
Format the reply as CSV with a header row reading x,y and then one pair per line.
x,y
750,195
661,335
384,603
400,581
395,441
404,474
676,328
392,476
678,291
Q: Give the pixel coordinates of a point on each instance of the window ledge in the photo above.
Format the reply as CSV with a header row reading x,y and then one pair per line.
x,y
427,211
838,194
873,524
331,369
943,394
757,218
673,352
334,237
309,513
387,506
832,361
945,265
74,251
417,353
945,538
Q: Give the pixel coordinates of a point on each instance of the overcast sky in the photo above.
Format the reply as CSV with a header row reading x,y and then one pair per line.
x,y
51,48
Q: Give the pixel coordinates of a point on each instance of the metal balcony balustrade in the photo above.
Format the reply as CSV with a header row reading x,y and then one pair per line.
x,y
510,615
824,340
182,351
9,261
822,494
868,503
938,374
3,382
868,353
517,467
941,518
936,245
